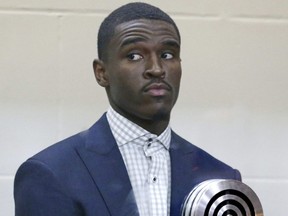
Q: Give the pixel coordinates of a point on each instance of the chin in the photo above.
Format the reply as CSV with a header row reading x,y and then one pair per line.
x,y
161,114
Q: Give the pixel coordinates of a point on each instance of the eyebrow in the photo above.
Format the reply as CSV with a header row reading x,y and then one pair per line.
x,y
131,41
172,43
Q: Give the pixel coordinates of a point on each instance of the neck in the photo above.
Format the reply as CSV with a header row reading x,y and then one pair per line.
x,y
155,124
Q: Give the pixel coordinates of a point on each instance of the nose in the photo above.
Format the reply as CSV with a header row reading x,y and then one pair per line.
x,y
154,68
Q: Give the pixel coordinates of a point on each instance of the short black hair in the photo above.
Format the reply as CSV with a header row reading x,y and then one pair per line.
x,y
126,13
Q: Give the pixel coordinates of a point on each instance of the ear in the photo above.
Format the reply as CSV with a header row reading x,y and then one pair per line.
x,y
100,73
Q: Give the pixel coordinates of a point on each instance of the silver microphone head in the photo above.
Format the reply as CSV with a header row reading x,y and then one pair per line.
x,y
221,197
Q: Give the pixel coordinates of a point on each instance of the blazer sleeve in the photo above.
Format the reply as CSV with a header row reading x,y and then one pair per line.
x,y
238,175
38,192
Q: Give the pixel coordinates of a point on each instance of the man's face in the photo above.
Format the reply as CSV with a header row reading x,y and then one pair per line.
x,y
143,69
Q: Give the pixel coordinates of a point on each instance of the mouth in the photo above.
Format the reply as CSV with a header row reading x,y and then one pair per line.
x,y
157,89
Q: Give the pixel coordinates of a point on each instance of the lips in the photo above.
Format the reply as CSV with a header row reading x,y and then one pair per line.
x,y
157,89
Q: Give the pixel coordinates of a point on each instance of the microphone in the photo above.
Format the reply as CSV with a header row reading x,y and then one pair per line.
x,y
222,197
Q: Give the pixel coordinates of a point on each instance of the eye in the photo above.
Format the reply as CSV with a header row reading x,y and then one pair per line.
x,y
167,55
134,57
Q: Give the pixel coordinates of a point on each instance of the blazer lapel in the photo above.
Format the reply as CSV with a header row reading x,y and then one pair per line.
x,y
106,166
182,166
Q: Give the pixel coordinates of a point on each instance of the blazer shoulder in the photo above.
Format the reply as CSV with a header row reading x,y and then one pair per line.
x,y
66,148
61,150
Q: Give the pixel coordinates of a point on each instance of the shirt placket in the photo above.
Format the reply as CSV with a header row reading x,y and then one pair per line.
x,y
156,178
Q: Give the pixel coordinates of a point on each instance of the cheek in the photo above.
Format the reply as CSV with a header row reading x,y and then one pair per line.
x,y
128,76
125,85
175,75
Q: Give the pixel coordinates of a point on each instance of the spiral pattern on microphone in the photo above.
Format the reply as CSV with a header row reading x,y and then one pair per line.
x,y
220,197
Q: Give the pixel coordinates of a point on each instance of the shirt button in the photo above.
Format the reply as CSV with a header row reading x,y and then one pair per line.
x,y
150,142
154,179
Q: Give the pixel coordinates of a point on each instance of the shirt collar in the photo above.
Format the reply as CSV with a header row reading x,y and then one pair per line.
x,y
125,131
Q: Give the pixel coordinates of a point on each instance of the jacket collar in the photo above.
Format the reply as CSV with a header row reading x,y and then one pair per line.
x,y
106,166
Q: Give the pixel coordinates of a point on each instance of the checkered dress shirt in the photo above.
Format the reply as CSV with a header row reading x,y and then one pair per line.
x,y
147,161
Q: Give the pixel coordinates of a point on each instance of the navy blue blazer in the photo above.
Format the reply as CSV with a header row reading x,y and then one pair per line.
x,y
85,175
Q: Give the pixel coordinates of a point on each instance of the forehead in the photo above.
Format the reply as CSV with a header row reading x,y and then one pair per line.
x,y
144,28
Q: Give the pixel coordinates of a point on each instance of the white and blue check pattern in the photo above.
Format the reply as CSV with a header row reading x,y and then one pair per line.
x,y
147,161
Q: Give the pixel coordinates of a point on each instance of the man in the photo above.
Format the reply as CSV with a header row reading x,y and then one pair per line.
x,y
129,162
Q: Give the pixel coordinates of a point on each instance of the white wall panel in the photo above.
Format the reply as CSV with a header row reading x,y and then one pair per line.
x,y
6,198
28,87
83,101
244,8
